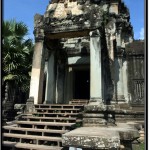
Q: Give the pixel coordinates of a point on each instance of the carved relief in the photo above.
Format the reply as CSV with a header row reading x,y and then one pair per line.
x,y
72,15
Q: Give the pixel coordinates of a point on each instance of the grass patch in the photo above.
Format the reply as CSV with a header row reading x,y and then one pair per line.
x,y
142,145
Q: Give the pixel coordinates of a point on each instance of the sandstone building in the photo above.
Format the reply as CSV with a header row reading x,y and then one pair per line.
x,y
85,52
80,53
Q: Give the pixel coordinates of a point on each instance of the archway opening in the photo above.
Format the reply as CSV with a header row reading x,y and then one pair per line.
x,y
82,84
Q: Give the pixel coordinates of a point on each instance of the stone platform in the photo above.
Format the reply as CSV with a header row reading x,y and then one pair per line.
x,y
100,137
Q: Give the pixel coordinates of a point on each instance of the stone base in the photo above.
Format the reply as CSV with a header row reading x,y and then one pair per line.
x,y
92,118
120,101
94,122
30,108
96,101
100,137
101,114
93,107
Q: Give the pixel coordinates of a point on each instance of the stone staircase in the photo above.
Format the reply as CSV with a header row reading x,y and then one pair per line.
x,y
79,101
43,129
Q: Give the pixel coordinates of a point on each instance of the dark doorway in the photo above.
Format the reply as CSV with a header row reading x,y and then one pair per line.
x,y
82,84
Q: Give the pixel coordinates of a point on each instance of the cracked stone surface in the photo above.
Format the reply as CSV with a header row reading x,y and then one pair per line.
x,y
99,137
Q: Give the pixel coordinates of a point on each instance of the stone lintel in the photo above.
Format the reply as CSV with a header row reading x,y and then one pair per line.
x,y
68,34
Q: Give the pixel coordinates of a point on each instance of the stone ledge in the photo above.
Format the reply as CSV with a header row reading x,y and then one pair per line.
x,y
97,140
111,108
99,137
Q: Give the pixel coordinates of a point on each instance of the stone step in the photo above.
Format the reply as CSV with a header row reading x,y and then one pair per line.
x,y
74,102
30,146
128,119
12,129
44,123
33,137
59,106
138,108
54,114
57,110
78,101
42,129
51,119
59,118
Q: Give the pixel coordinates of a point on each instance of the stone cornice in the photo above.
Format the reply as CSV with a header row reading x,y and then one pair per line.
x,y
88,16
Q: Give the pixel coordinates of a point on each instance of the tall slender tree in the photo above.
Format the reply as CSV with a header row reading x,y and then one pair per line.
x,y
17,53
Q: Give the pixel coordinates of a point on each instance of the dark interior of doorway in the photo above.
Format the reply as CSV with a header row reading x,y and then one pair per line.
x,y
82,84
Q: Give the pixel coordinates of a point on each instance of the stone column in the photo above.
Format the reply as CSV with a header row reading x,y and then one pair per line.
x,y
118,37
50,82
95,68
119,80
68,84
125,81
37,75
111,53
60,83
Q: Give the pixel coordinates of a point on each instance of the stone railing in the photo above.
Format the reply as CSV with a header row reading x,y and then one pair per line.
x,y
138,91
24,109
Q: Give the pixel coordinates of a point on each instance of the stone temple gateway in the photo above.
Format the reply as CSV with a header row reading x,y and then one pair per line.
x,y
79,52
85,52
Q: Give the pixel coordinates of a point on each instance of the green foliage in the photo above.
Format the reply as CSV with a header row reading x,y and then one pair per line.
x,y
16,55
142,146
76,125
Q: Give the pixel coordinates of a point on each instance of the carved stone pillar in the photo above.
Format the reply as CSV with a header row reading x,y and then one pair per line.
x,y
37,75
60,82
111,51
95,68
120,86
125,81
119,83
50,83
118,37
68,85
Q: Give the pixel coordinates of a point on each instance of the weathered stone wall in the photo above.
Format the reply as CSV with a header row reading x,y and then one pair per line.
x,y
136,71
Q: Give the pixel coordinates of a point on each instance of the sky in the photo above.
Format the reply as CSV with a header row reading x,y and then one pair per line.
x,y
24,10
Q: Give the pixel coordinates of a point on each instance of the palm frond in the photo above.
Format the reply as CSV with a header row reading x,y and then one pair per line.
x,y
16,54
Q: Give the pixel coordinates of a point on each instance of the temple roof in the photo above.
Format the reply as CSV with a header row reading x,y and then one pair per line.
x,y
79,16
72,16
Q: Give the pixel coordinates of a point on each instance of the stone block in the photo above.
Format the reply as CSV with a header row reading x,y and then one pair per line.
x,y
94,108
94,121
97,139
100,107
30,108
92,115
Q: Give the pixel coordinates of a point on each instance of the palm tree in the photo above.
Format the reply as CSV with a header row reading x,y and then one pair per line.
x,y
16,60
